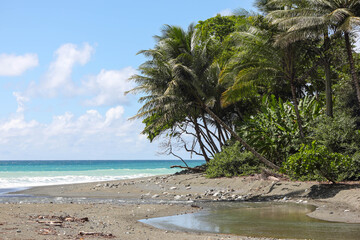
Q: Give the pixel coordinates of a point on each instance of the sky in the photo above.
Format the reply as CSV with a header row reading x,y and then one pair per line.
x,y
64,68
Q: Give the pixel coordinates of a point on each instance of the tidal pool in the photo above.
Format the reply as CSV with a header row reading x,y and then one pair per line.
x,y
278,220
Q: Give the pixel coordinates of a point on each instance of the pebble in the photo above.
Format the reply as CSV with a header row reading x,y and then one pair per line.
x,y
155,196
217,194
173,188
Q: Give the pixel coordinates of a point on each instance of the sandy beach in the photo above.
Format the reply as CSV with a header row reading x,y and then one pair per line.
x,y
63,216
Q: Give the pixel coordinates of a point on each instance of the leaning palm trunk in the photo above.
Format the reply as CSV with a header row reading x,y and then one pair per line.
x,y
328,91
238,138
352,65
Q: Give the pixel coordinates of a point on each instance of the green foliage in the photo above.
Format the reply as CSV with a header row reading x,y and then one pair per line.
x,y
153,129
339,134
232,162
274,131
353,173
316,162
219,27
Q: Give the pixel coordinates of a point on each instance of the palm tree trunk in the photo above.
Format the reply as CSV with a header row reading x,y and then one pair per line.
x,y
296,107
352,65
238,138
202,147
291,74
328,91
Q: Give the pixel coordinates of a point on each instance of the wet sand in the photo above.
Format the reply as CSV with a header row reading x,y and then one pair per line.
x,y
142,198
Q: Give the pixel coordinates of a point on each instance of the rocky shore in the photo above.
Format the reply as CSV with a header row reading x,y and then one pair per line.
x,y
156,196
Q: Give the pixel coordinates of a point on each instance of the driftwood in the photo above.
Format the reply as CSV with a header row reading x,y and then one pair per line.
x,y
195,169
60,219
51,223
266,173
47,231
96,234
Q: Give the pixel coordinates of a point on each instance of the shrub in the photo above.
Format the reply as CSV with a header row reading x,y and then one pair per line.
x,y
274,131
339,134
231,162
315,162
353,173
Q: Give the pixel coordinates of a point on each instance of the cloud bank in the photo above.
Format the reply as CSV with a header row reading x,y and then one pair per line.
x,y
88,136
96,133
13,65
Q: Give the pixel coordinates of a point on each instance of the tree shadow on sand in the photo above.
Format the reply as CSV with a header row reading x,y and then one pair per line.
x,y
320,191
329,190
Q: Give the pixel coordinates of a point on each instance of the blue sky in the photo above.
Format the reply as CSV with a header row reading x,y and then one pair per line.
x,y
64,67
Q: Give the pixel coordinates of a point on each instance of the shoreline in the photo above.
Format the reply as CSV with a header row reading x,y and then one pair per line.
x,y
165,195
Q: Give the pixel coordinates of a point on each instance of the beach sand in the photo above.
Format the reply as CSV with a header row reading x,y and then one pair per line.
x,y
135,199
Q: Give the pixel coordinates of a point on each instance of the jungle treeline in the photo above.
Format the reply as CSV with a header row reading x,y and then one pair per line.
x,y
277,89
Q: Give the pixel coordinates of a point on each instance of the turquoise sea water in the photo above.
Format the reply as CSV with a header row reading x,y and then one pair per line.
x,y
21,174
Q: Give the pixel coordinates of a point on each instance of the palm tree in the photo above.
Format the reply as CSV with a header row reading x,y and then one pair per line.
x,y
319,17
181,81
259,64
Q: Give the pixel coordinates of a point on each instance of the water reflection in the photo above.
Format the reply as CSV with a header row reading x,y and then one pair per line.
x,y
259,220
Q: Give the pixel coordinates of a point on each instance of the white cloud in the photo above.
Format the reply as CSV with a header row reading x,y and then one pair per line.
x,y
17,126
113,114
20,99
13,65
106,88
226,12
58,79
109,86
89,136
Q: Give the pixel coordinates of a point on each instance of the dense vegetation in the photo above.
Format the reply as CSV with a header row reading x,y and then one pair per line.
x,y
276,90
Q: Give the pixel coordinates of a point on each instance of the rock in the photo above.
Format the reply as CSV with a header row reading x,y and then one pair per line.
x,y
155,196
218,193
173,188
187,188
272,178
177,197
347,210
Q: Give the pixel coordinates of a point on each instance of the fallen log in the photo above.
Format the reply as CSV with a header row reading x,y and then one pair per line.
x,y
195,169
96,234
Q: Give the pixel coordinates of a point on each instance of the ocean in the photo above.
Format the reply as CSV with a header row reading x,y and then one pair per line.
x,y
24,174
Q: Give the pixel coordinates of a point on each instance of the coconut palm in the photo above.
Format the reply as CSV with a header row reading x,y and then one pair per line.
x,y
318,18
261,67
181,83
